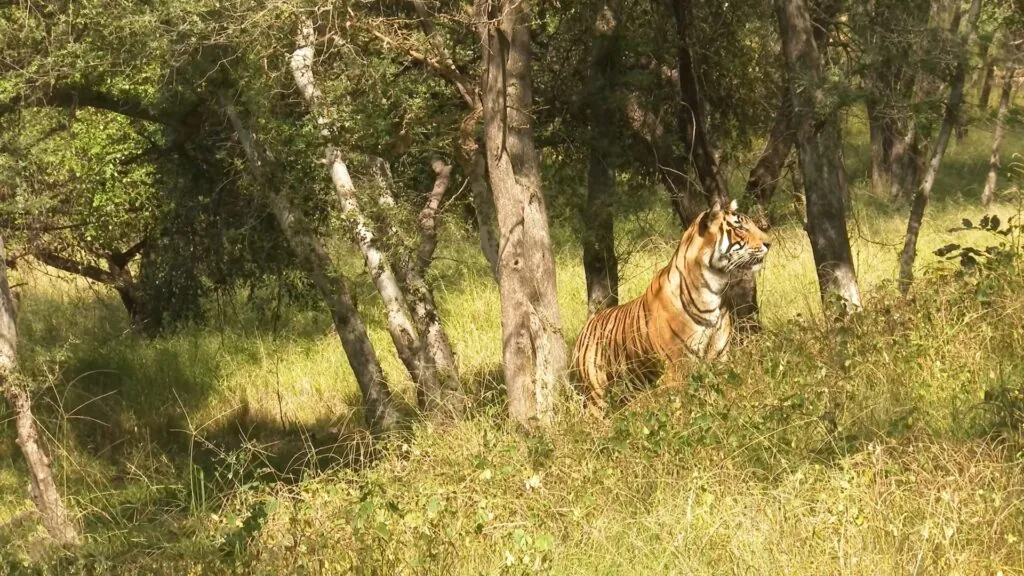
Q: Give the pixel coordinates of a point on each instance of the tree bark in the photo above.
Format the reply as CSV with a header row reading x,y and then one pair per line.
x,y
446,401
450,399
42,488
820,161
381,413
534,348
600,264
989,194
469,151
956,96
411,348
118,277
764,176
691,121
891,85
740,297
985,92
470,155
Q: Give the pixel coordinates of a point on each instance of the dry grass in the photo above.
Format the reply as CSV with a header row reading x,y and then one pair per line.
x,y
865,447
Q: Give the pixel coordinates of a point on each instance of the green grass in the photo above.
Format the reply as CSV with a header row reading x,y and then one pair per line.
x,y
861,447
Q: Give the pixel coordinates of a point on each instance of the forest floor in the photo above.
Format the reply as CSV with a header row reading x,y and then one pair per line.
x,y
887,443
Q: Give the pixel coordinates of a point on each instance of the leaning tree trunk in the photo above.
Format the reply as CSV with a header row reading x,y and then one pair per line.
x,y
741,296
451,400
534,348
411,264
819,150
409,344
118,277
42,488
599,261
989,193
956,96
382,415
765,174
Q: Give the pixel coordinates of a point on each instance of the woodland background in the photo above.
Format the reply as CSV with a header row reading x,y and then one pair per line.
x,y
200,200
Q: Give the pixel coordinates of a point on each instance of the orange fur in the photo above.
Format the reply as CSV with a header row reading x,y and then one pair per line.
x,y
680,315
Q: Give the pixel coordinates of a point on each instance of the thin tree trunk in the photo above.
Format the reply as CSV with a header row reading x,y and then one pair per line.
x,y
599,261
42,488
447,401
880,146
691,121
956,96
534,348
818,145
985,92
764,176
470,156
469,151
740,297
411,348
381,414
989,193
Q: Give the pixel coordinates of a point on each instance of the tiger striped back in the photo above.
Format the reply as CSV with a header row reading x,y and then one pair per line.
x,y
679,315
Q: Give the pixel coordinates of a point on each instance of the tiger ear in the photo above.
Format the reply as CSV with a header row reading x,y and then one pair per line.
x,y
705,219
734,206
716,207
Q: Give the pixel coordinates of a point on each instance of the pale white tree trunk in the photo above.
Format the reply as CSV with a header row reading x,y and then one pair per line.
x,y
989,194
381,413
410,266
42,488
407,340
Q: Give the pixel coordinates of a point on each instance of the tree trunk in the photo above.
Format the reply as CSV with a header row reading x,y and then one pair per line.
x,y
469,153
764,176
470,156
447,400
118,277
381,416
691,122
891,84
986,85
534,348
411,348
740,297
599,261
956,96
818,145
881,144
42,488
989,193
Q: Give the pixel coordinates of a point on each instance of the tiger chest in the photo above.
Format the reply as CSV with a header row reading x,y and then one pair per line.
x,y
678,338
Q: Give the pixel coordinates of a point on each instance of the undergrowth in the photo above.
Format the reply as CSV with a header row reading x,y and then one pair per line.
x,y
888,442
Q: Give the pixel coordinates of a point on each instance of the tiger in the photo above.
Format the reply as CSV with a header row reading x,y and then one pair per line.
x,y
681,314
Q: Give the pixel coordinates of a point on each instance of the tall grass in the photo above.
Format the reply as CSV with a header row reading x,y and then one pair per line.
x,y
883,444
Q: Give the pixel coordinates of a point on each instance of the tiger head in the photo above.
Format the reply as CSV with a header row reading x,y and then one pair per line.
x,y
734,241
